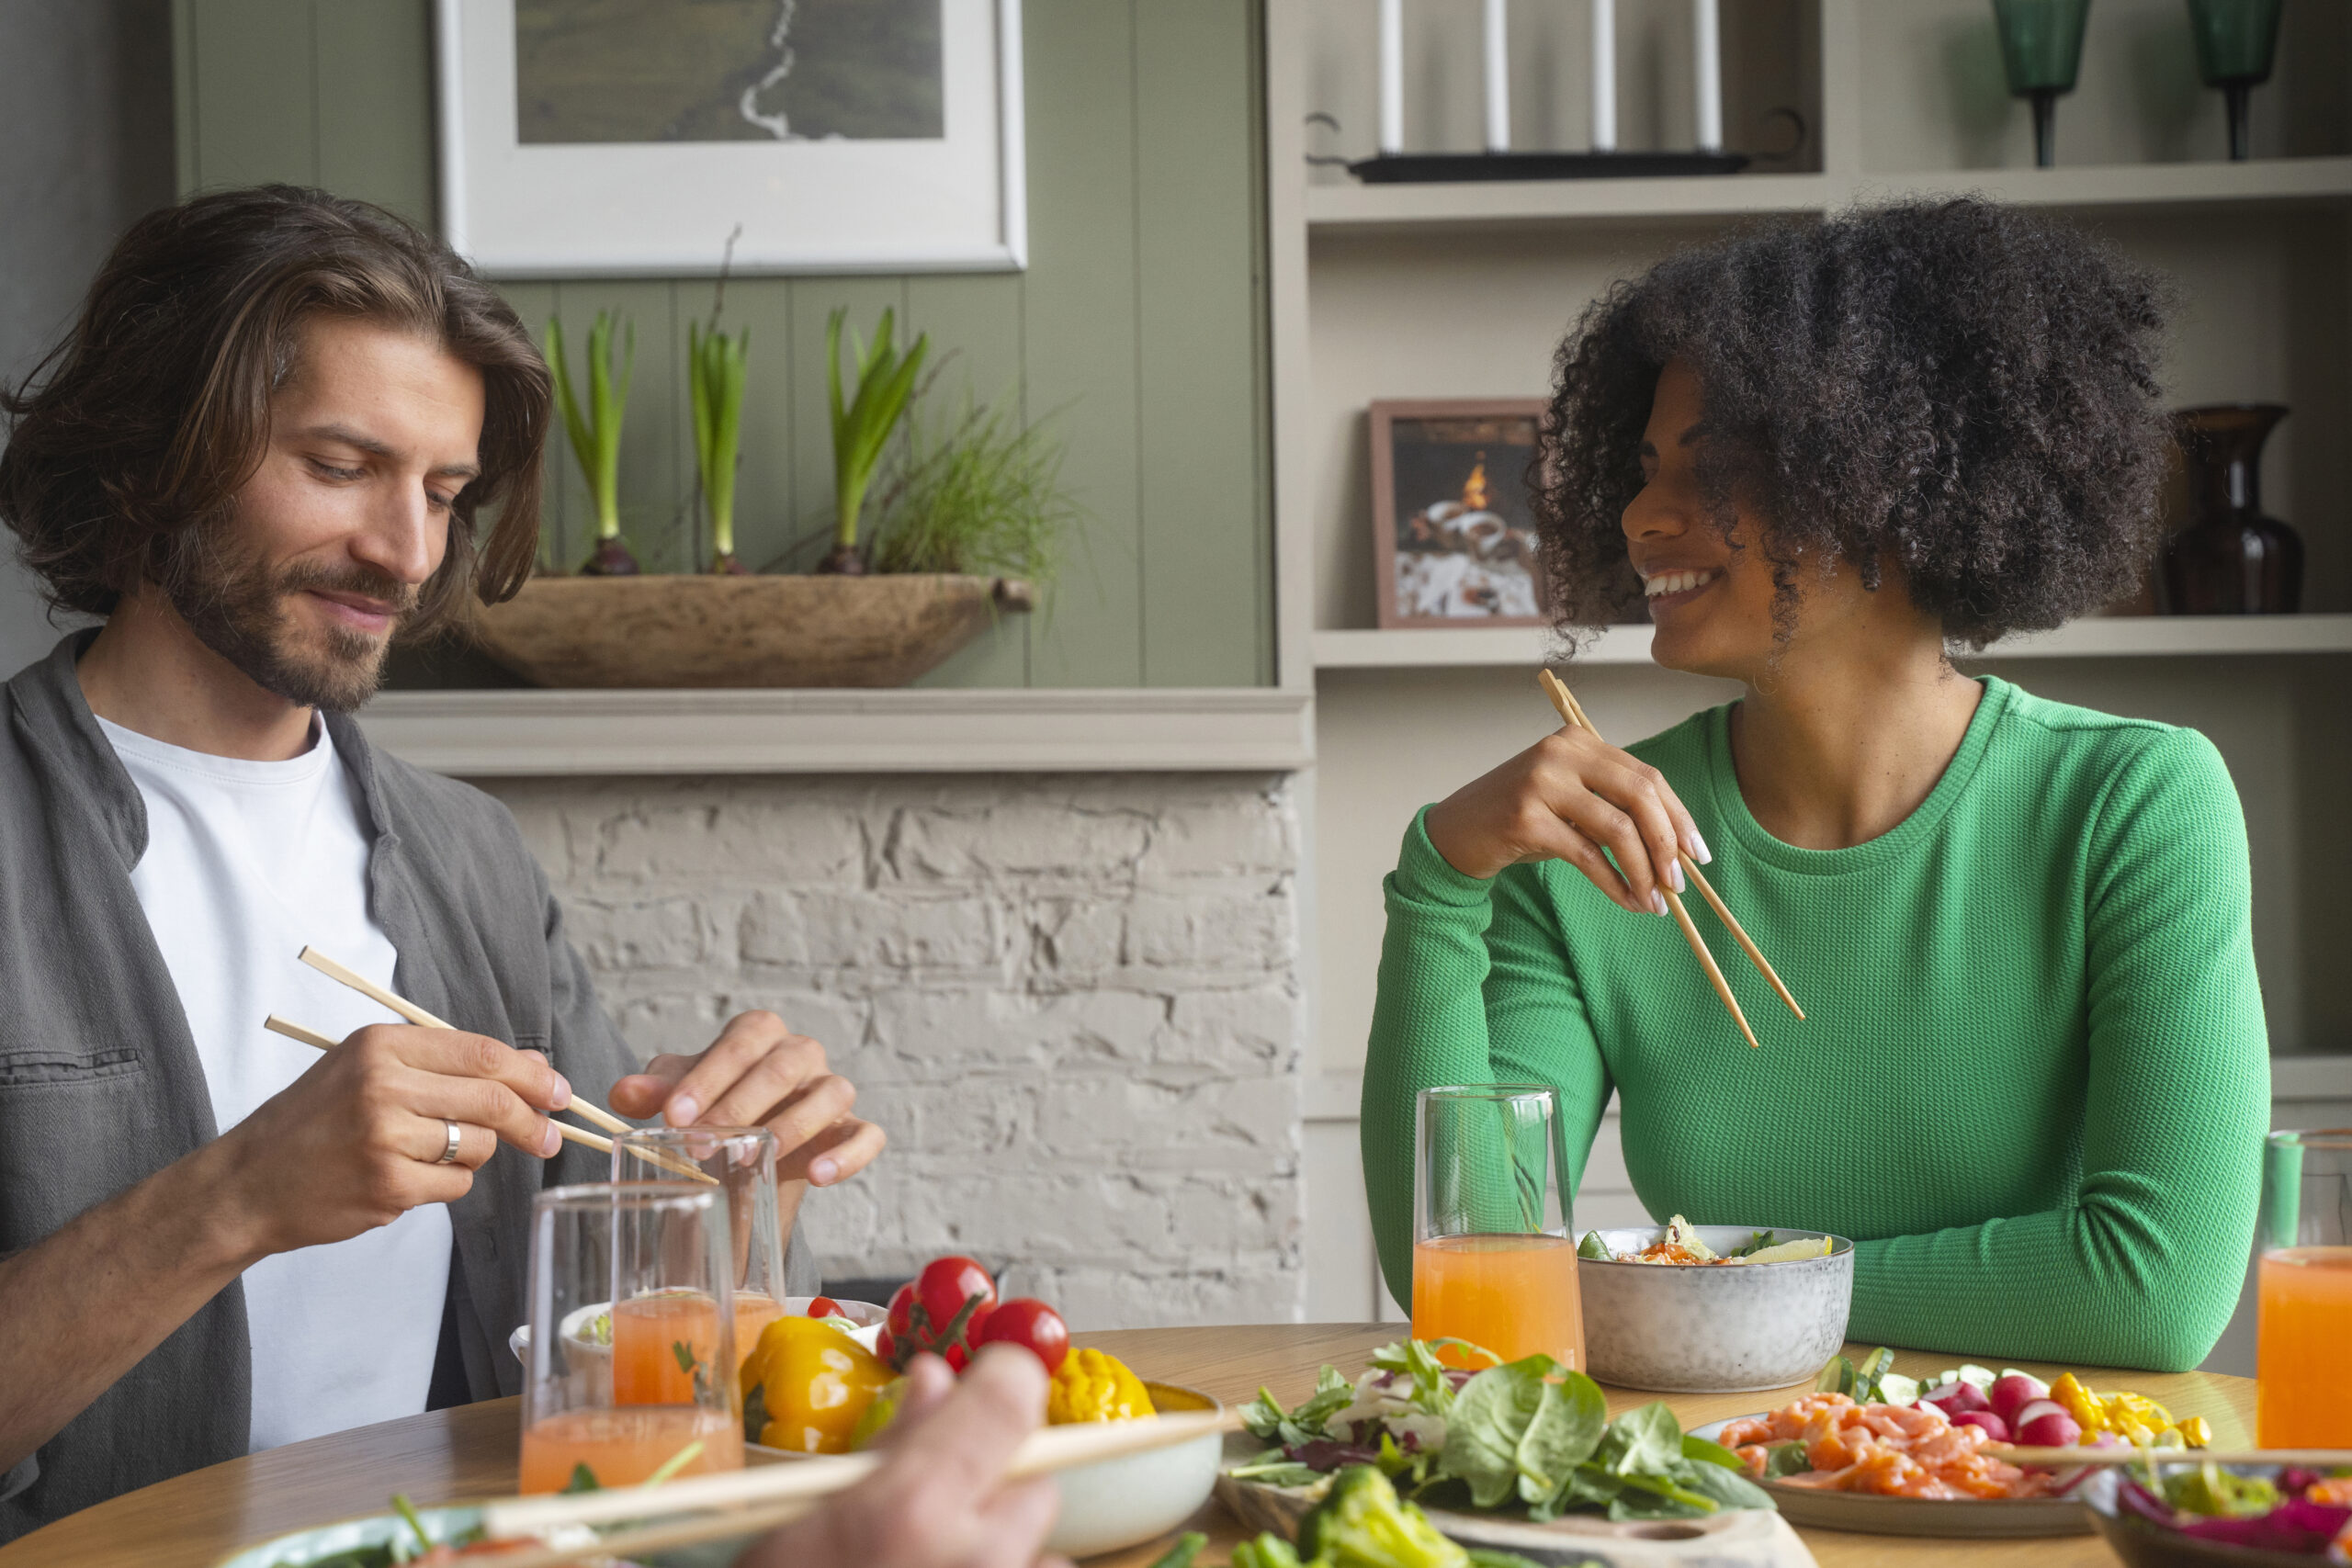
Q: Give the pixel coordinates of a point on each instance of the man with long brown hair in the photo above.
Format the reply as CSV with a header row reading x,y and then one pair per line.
x,y
260,455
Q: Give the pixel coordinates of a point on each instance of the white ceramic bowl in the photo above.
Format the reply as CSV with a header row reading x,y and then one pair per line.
x,y
1123,1502
598,1359
1695,1329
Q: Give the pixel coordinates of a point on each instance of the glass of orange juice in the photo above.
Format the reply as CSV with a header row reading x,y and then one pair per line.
x,y
630,1367
1494,1261
2302,1249
742,1162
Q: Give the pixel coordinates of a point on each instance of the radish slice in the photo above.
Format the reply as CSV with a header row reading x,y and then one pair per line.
x,y
1993,1426
2033,1410
2013,1392
2054,1430
1958,1398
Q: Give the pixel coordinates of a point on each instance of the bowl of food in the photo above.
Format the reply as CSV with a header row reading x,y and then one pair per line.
x,y
2214,1515
1126,1501
1712,1309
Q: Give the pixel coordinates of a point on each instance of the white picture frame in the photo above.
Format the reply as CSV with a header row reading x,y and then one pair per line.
x,y
606,209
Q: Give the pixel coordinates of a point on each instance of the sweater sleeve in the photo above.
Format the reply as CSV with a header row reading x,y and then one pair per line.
x,y
1473,988
2143,1269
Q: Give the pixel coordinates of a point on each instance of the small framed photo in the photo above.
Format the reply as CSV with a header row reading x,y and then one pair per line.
x,y
634,137
1453,530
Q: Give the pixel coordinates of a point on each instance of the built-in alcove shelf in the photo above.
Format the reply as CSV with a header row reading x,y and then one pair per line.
x,y
2140,187
2099,636
480,734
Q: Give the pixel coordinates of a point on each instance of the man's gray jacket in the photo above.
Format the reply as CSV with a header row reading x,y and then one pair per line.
x,y
100,1085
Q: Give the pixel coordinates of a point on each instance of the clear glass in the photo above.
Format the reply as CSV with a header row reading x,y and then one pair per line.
x,y
631,1313
741,1160
2302,1251
1494,1255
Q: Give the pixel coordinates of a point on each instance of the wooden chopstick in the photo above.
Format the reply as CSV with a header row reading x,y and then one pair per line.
x,y
2309,1459
317,1040
1574,717
785,1491
585,1109
1573,710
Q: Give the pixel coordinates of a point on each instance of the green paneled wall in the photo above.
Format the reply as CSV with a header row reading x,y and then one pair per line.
x,y
1139,325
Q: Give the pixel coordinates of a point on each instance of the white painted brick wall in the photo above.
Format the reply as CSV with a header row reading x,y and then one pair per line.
x,y
1072,1000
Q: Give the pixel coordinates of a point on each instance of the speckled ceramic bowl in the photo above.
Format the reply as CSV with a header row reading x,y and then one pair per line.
x,y
1695,1329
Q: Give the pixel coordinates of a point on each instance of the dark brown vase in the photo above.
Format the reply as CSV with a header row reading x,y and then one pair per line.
x,y
2231,560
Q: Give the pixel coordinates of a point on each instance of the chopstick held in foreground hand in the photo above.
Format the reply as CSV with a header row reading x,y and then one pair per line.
x,y
778,1494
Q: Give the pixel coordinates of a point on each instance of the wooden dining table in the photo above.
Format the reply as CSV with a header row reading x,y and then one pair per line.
x,y
195,1521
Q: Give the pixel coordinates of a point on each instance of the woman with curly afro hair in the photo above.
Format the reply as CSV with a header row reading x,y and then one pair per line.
x,y
2032,1079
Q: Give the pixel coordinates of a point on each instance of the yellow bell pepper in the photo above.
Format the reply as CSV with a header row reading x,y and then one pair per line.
x,y
2080,1403
1092,1386
812,1382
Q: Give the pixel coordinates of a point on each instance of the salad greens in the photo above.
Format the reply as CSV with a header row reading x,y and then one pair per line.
x,y
1361,1523
1532,1434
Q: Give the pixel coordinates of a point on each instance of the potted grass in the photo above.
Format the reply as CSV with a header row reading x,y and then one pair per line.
x,y
965,513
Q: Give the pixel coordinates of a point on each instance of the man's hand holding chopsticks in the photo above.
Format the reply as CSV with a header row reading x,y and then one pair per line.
x,y
361,1137
759,1073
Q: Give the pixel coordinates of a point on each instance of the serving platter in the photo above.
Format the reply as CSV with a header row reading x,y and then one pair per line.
x,y
1973,1519
1747,1538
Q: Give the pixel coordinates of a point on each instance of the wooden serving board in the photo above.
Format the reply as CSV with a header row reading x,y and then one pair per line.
x,y
1748,1538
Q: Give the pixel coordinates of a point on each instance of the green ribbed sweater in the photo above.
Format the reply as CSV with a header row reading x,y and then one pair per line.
x,y
2034,1077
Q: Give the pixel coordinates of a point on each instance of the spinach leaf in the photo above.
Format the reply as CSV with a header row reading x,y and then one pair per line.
x,y
1712,1452
583,1479
1262,1415
1662,1496
1785,1459
1568,1424
1726,1488
1646,1441
1490,1415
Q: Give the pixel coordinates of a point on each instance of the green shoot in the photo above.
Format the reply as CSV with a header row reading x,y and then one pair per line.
x,y
674,1464
715,373
596,439
977,491
407,1510
861,426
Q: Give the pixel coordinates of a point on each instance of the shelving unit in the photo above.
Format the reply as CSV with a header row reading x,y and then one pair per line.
x,y
1463,290
2110,636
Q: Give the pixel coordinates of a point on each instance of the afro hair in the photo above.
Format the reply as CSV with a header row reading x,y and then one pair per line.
x,y
1959,388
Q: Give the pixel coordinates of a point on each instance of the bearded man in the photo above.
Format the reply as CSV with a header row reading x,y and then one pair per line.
x,y
260,455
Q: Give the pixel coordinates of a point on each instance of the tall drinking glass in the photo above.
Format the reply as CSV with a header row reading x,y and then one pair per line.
x,y
2302,1249
741,1160
622,1412
1494,1261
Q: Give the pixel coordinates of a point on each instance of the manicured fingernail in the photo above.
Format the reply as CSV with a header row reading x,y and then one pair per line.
x,y
1657,900
1699,850
823,1171
1674,876
683,1110
562,1091
552,1142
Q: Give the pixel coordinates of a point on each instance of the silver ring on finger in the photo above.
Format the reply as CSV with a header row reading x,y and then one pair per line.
x,y
449,1154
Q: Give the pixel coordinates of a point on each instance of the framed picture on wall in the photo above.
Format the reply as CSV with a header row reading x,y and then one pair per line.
x,y
635,136
1453,534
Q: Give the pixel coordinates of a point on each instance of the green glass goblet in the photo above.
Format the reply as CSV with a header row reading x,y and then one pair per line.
x,y
2236,40
2042,50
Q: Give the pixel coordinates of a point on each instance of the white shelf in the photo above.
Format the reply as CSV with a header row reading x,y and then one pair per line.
x,y
1356,206
1342,208
925,730
2110,636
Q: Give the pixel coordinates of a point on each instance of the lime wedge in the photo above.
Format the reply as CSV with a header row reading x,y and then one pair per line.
x,y
1790,1251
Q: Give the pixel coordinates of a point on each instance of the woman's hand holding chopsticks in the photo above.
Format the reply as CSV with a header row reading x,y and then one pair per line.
x,y
938,1501
1568,797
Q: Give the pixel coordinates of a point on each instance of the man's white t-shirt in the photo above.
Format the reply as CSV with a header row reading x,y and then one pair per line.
x,y
246,864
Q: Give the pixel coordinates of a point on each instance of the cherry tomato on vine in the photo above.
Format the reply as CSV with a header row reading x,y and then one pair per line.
x,y
1030,1323
824,1306
946,1283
